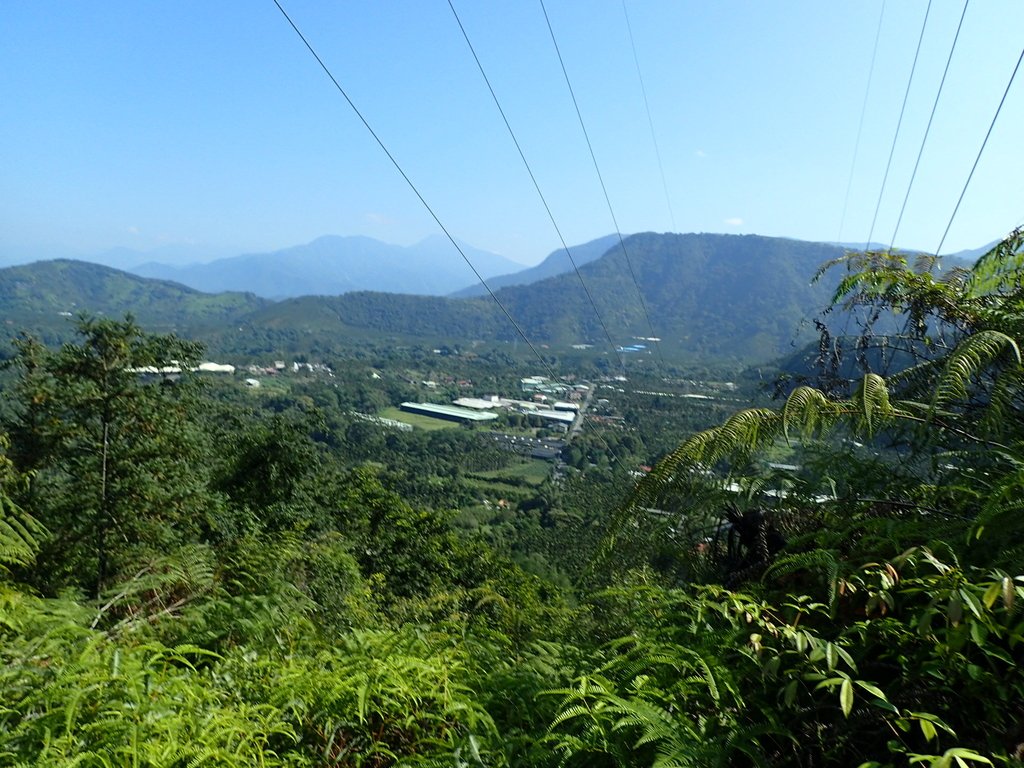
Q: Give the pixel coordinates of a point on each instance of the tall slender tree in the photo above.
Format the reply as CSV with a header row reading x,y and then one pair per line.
x,y
105,427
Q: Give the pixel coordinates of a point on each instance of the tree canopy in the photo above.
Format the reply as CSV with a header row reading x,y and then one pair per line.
x,y
195,576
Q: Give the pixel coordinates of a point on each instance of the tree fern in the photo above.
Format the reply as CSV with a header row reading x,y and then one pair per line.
x,y
872,407
161,587
999,270
973,355
20,534
807,409
824,562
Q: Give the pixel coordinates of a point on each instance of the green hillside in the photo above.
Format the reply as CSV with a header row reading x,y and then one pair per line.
x,y
43,296
692,285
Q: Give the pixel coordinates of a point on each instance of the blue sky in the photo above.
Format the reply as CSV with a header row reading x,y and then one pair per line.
x,y
143,124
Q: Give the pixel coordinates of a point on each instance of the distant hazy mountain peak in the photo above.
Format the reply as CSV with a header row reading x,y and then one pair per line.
x,y
335,264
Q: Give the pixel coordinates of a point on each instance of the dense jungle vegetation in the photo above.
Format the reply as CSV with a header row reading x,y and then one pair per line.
x,y
191,579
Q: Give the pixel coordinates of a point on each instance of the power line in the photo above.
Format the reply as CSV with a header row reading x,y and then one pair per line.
x,y
983,143
604,189
860,125
430,210
536,185
899,123
416,191
849,315
978,158
650,121
920,152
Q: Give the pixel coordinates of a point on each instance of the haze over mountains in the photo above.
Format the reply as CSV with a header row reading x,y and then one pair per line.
x,y
743,297
332,265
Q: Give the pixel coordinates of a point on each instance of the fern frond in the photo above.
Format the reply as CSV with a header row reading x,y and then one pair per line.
x,y
957,277
1001,268
846,258
872,401
970,357
999,412
20,534
926,263
916,379
809,409
823,561
1002,512
161,586
742,434
847,286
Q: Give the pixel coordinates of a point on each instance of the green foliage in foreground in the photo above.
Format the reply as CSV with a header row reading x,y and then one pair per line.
x,y
76,696
913,658
869,611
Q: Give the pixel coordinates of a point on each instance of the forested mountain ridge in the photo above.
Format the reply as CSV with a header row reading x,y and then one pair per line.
x,y
40,297
691,285
556,263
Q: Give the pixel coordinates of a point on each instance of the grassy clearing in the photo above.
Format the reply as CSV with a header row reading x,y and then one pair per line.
x,y
530,471
270,386
514,484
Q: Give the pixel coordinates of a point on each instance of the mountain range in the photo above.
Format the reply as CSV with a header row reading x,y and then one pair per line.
x,y
743,297
332,265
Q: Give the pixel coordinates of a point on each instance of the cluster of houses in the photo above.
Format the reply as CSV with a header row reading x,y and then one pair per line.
x,y
280,366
